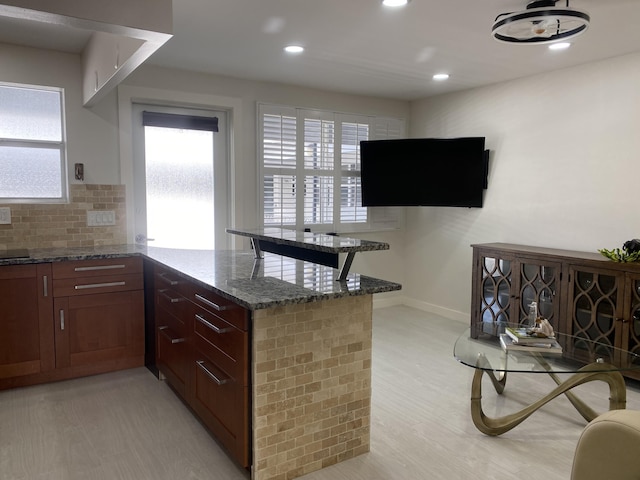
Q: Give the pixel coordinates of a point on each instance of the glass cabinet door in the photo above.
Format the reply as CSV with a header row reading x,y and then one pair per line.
x,y
495,292
596,304
538,282
631,324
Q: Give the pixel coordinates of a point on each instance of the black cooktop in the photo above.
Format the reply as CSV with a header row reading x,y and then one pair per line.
x,y
14,253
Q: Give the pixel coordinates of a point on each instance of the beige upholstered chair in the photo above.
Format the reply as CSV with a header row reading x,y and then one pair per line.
x,y
609,448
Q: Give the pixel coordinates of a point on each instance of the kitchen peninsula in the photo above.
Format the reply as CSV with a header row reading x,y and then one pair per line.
x,y
307,337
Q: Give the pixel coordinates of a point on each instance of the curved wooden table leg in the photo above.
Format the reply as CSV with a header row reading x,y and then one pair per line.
x,y
588,373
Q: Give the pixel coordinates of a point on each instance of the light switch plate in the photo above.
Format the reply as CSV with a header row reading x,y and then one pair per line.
x,y
101,218
5,215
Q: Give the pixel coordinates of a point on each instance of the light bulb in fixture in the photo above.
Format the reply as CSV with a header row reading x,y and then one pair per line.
x,y
294,49
540,28
559,46
441,76
394,3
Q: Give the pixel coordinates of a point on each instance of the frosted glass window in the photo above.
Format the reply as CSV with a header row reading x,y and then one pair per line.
x,y
179,176
32,160
30,172
30,114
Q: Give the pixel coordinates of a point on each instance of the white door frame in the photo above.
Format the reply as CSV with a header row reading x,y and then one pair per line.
x,y
128,95
220,167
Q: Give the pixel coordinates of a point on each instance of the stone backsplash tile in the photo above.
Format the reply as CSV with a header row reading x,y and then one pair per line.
x,y
36,225
312,386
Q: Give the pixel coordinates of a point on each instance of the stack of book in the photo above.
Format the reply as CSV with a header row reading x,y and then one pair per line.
x,y
520,339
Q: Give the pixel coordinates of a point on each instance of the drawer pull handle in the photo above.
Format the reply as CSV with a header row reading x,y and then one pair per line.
x,y
61,319
163,276
210,374
45,286
207,323
206,301
98,267
169,297
100,285
164,330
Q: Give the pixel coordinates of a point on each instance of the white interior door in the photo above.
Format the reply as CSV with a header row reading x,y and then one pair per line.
x,y
180,177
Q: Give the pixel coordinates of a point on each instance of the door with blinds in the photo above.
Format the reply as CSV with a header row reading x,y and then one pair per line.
x,y
180,177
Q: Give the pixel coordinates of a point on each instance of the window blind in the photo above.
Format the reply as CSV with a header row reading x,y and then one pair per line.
x,y
309,162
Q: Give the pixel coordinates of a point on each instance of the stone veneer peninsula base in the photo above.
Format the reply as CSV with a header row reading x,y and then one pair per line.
x,y
311,385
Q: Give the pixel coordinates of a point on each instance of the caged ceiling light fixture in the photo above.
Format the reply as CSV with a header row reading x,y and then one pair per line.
x,y
541,22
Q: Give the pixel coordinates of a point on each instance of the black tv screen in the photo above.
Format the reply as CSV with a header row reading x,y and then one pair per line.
x,y
446,172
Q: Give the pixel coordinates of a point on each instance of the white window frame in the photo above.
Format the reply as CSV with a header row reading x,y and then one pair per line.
x,y
60,146
377,218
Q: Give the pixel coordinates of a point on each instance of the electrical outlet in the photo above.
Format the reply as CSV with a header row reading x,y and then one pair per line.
x,y
101,218
5,216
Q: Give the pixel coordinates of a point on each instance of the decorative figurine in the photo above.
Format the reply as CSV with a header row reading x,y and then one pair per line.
x,y
543,328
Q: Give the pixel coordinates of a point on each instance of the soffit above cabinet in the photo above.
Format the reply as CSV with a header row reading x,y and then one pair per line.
x,y
113,38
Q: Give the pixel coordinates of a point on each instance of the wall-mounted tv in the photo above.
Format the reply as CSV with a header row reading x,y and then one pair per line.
x,y
445,172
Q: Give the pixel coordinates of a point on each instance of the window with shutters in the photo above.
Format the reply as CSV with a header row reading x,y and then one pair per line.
x,y
32,147
310,168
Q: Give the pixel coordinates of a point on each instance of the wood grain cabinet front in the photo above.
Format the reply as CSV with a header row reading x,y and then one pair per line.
x,y
98,315
581,293
220,366
172,316
26,339
202,350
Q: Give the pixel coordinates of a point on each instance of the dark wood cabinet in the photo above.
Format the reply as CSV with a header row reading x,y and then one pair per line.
x,y
202,351
26,342
98,315
581,293
220,370
506,282
172,319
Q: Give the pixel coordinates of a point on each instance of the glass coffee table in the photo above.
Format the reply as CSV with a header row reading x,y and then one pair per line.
x,y
479,347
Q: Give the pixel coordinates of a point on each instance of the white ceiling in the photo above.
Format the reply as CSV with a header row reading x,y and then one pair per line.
x,y
361,47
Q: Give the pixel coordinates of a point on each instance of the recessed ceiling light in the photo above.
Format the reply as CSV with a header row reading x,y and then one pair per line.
x,y
294,49
441,76
394,3
559,46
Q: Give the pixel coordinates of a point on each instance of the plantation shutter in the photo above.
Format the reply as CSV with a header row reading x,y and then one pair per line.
x,y
310,169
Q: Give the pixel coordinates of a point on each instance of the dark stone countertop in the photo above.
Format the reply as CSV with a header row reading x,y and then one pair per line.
x,y
255,284
310,240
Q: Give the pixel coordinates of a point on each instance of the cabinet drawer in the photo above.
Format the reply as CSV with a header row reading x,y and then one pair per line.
x,y
66,287
172,302
223,405
221,307
98,267
171,353
167,279
223,343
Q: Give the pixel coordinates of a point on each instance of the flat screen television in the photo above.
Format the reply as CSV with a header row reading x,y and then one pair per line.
x,y
446,172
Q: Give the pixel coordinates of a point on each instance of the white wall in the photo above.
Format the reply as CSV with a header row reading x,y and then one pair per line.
x,y
564,172
92,135
385,264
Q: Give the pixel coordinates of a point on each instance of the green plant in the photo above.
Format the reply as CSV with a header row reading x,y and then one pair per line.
x,y
620,255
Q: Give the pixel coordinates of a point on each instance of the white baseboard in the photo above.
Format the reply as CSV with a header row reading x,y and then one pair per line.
x,y
456,315
391,301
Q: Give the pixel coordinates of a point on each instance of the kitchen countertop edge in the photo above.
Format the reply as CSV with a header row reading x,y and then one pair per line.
x,y
279,293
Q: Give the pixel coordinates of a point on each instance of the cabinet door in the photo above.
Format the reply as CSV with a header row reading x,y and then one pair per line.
x,y
596,303
223,405
26,338
537,281
630,325
100,328
491,290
